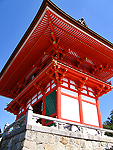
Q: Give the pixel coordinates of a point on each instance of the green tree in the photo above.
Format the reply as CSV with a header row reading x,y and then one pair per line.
x,y
0,133
108,124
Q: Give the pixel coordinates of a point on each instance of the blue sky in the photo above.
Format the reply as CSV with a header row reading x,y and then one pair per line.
x,y
16,16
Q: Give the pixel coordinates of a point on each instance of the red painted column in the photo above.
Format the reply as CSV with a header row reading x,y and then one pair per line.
x,y
80,107
58,101
25,110
99,114
16,118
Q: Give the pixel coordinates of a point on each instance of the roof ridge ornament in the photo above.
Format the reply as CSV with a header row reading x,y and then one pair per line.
x,y
81,21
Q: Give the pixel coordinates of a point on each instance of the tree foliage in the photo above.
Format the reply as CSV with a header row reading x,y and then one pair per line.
x,y
108,124
0,133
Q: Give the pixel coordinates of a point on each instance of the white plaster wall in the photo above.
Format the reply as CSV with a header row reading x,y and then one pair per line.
x,y
90,114
69,108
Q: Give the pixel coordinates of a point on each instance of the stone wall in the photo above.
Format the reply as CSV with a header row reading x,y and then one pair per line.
x,y
14,140
49,138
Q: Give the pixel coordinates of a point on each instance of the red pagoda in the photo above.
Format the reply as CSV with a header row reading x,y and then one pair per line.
x,y
60,67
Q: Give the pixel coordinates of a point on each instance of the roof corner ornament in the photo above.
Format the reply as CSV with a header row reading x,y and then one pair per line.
x,y
81,21
6,125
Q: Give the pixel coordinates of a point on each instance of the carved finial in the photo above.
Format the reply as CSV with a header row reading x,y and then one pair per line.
x,y
6,125
81,21
30,108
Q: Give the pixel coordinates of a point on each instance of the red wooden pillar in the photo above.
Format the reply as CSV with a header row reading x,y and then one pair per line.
x,y
25,110
80,107
16,118
58,101
98,113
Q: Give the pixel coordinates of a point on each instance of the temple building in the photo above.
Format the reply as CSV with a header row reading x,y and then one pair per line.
x,y
60,67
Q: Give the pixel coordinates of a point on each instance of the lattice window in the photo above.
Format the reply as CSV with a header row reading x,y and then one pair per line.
x,y
69,84
38,96
51,85
20,111
88,94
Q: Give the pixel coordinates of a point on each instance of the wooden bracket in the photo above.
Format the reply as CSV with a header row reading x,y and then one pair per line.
x,y
18,87
11,92
81,83
39,86
57,52
20,103
56,72
80,60
13,110
100,90
99,68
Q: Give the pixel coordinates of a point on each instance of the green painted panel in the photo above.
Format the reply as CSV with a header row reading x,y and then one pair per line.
x,y
51,103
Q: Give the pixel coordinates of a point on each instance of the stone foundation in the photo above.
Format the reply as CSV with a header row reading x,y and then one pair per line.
x,y
49,138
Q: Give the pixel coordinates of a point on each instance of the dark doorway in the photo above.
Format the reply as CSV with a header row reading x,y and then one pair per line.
x,y
37,108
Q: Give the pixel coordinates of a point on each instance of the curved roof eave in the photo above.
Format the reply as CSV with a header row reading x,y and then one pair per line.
x,y
61,13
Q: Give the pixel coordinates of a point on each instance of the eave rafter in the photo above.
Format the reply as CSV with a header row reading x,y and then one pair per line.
x,y
71,35
51,53
8,93
55,41
51,27
95,67
12,109
57,54
38,65
58,51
